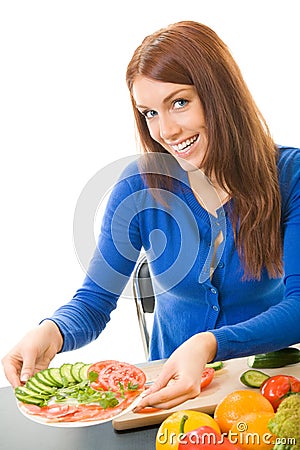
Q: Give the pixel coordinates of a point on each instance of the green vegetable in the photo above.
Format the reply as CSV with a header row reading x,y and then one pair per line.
x,y
26,395
215,365
75,371
83,393
132,387
66,373
253,378
286,424
70,381
93,376
55,375
272,360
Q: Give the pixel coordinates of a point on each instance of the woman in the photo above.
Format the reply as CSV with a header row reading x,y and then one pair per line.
x,y
214,203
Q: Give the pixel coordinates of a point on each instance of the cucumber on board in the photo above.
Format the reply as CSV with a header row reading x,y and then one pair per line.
x,y
276,359
253,378
215,365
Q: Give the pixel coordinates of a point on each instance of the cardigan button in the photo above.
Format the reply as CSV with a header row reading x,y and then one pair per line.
x,y
215,308
213,290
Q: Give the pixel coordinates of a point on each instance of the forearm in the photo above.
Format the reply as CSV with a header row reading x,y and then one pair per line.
x,y
82,319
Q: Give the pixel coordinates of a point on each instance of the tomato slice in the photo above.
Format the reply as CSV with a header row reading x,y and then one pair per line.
x,y
148,410
277,387
207,377
116,375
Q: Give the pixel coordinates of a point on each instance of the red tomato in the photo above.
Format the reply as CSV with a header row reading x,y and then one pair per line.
x,y
276,388
148,410
207,377
115,375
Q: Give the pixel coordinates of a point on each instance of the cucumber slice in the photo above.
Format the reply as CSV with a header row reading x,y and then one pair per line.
x,y
253,378
30,385
45,373
83,372
41,378
24,391
65,371
75,370
55,375
38,387
215,365
32,400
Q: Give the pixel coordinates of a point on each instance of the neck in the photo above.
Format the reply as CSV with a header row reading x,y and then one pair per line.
x,y
210,196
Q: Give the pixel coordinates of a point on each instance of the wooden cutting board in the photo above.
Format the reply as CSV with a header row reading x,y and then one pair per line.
x,y
226,380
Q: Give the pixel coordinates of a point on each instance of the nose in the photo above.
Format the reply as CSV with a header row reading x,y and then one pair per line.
x,y
169,128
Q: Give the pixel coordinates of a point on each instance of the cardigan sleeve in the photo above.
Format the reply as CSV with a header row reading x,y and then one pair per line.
x,y
83,318
277,327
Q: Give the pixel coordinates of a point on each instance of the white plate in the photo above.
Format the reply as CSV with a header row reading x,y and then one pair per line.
x,y
45,421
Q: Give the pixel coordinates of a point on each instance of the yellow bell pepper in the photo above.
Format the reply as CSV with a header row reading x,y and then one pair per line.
x,y
168,434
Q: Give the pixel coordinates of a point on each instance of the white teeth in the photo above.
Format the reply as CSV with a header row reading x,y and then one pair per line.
x,y
183,145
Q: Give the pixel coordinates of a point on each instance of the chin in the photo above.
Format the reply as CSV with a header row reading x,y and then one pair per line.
x,y
188,166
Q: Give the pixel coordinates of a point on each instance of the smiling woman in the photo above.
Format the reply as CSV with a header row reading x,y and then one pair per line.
x,y
213,202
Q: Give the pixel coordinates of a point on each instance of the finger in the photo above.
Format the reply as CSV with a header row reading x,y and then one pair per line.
x,y
28,369
165,377
160,404
172,395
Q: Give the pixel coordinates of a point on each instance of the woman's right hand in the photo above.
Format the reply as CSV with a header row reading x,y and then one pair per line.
x,y
33,353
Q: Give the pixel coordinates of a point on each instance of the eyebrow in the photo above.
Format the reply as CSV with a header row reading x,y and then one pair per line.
x,y
166,99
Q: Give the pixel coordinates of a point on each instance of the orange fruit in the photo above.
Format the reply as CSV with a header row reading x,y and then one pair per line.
x,y
237,404
169,430
251,431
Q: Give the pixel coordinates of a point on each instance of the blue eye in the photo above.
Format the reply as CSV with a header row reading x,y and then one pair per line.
x,y
149,114
180,103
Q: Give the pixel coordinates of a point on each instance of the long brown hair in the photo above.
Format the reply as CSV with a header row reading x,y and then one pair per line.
x,y
240,153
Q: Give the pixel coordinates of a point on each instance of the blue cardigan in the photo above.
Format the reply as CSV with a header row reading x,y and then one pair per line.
x,y
246,317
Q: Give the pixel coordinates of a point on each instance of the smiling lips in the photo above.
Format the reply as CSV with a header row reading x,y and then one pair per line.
x,y
184,146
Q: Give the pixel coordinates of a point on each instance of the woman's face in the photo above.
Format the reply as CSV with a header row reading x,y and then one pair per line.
x,y
175,118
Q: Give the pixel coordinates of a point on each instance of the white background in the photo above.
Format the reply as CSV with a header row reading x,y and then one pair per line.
x,y
65,113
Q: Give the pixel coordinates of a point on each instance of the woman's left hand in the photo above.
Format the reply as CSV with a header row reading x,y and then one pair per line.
x,y
180,377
